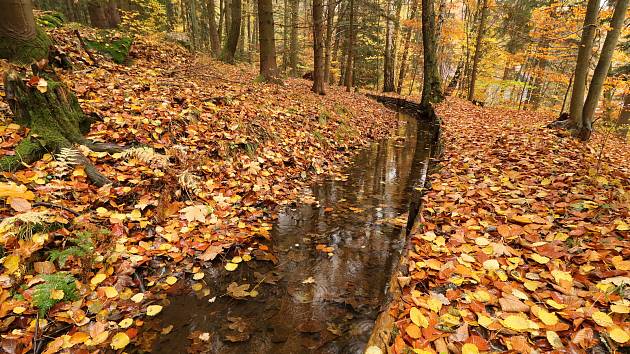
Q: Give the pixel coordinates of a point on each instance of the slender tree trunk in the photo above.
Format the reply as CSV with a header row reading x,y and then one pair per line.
x,y
20,39
103,14
624,118
268,66
477,55
602,68
294,45
432,88
221,19
215,43
330,17
405,54
319,75
229,50
581,67
170,15
285,36
388,59
350,51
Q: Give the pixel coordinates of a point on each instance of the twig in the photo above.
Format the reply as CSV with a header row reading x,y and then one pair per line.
x,y
76,32
139,281
51,205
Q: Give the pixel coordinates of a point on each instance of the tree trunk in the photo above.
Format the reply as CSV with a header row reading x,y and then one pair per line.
x,y
229,50
349,71
405,54
602,68
319,78
477,55
170,15
215,43
268,66
103,14
581,66
20,39
388,59
330,16
294,44
432,88
624,118
285,36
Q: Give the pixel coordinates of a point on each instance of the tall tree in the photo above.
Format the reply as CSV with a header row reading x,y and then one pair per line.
x,y
602,68
103,14
229,49
432,87
20,39
319,78
477,56
388,59
215,42
405,53
349,70
581,66
268,65
294,45
330,17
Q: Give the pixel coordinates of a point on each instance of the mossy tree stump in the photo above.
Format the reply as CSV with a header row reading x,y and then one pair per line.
x,y
55,119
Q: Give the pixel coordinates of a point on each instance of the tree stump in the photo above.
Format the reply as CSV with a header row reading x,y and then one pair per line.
x,y
51,111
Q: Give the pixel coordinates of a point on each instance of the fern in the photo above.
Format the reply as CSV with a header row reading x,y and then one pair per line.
x,y
147,155
43,293
83,246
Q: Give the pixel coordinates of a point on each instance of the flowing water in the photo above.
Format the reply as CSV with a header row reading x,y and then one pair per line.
x,y
311,301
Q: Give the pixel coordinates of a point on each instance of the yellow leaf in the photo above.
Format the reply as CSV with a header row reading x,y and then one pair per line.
x,y
482,241
559,276
555,305
99,338
125,323
548,318
602,319
198,276
531,285
434,304
482,296
11,263
230,267
491,264
620,308
554,340
484,321
470,348
618,335
19,310
110,292
516,323
153,310
120,340
56,294
98,278
137,298
237,259
171,280
15,191
197,286
540,259
418,318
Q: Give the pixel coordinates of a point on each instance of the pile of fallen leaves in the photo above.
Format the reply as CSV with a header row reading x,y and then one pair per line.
x,y
211,153
523,245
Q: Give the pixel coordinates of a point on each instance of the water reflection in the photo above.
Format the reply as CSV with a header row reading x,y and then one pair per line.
x,y
320,303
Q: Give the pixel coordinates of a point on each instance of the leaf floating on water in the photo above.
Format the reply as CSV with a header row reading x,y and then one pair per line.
x,y
153,310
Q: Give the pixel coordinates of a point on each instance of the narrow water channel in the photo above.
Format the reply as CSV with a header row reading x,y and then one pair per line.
x,y
312,301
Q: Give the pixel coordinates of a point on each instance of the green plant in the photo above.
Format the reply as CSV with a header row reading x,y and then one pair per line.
x,y
83,246
55,288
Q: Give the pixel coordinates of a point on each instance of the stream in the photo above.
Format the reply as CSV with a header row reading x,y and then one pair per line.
x,y
313,300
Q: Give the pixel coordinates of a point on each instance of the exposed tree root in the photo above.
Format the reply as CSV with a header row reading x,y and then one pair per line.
x,y
56,121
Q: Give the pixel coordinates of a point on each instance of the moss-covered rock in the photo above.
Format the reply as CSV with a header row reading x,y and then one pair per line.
x,y
115,47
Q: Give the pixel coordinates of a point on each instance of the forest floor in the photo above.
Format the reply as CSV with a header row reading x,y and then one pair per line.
x,y
214,152
523,244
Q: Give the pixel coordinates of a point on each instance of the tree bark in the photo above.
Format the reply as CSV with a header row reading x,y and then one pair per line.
x,y
268,65
349,71
20,39
229,50
432,88
319,78
103,14
405,54
581,67
294,44
602,68
330,16
477,55
215,43
624,118
388,58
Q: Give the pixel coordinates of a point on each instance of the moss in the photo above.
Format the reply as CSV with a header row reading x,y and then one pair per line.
x,y
27,152
25,52
51,20
117,49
